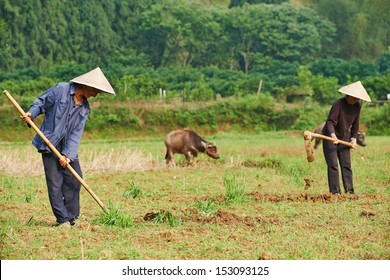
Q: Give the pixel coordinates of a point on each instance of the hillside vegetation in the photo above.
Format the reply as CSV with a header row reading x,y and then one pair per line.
x,y
220,54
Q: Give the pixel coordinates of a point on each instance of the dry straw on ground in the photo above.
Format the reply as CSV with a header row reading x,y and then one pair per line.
x,y
27,162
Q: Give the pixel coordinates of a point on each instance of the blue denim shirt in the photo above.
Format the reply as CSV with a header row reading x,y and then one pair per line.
x,y
62,121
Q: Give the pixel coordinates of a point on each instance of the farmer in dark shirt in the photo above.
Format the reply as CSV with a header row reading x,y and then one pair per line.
x,y
66,110
343,124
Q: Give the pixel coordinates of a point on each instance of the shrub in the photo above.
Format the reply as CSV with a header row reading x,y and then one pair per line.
x,y
376,119
325,90
378,87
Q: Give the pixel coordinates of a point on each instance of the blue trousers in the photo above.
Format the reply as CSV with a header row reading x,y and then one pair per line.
x,y
63,188
335,154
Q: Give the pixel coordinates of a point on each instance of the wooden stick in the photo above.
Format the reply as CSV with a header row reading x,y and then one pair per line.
x,y
317,135
55,151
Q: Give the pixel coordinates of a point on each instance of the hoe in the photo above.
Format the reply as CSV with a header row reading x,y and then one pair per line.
x,y
308,135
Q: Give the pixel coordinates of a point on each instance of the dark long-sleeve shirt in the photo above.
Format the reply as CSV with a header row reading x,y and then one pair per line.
x,y
343,120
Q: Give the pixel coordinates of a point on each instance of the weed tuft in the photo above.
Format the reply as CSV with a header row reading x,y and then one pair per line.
x,y
235,193
206,207
163,216
133,191
115,217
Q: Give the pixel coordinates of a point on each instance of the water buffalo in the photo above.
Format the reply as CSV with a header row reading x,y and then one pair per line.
x,y
188,143
361,138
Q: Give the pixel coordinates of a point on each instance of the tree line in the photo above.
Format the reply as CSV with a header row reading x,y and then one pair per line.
x,y
39,33
200,49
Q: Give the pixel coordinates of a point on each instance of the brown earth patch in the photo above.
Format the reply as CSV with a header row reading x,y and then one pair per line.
x,y
313,198
257,196
226,218
222,217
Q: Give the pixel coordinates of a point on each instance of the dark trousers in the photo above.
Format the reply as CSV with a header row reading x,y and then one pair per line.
x,y
63,188
335,154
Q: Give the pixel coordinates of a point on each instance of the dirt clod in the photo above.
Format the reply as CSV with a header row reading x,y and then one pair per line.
x,y
367,213
150,216
308,183
265,256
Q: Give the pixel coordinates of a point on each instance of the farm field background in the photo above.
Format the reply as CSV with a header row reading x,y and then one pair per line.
x,y
252,203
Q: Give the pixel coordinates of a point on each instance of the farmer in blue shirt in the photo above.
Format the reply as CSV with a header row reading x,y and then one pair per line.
x,y
66,109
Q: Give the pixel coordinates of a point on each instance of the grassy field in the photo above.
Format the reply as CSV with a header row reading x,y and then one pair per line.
x,y
253,203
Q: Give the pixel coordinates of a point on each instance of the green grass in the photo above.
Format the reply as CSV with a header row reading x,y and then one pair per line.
x,y
206,207
133,191
235,191
115,217
250,204
165,216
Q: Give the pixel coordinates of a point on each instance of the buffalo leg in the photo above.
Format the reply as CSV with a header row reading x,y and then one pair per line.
x,y
317,143
188,157
169,158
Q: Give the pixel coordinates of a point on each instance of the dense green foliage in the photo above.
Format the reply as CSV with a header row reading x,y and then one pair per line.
x,y
362,26
200,51
45,33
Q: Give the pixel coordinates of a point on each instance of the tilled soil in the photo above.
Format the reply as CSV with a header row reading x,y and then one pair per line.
x,y
223,217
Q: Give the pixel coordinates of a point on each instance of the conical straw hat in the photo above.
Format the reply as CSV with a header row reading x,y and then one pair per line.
x,y
356,90
95,79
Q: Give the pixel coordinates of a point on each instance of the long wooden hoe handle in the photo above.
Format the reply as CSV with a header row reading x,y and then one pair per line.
x,y
55,151
316,135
